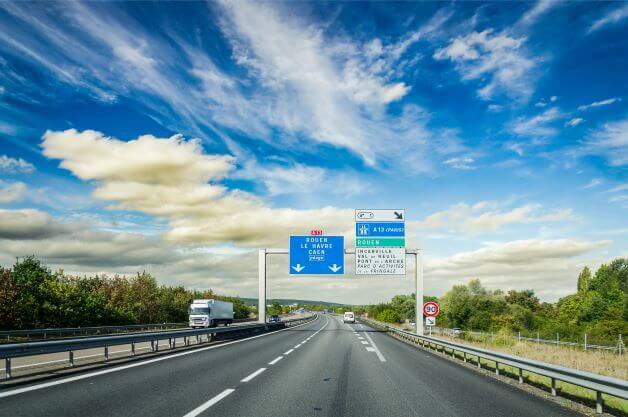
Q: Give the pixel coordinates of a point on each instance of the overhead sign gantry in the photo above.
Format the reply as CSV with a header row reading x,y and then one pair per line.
x,y
380,250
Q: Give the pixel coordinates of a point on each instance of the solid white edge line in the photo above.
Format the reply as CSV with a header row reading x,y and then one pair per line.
x,y
364,342
136,364
198,410
274,361
253,375
288,352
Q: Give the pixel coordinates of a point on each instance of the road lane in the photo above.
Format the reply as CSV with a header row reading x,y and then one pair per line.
x,y
170,387
336,370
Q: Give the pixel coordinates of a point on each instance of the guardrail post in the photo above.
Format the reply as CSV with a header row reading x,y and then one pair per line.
x,y
174,342
157,345
585,342
71,358
496,368
599,402
520,376
106,353
554,387
7,368
133,348
557,339
152,345
464,357
479,363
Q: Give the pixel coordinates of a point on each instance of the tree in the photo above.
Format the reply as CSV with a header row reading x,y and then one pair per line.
x,y
584,280
525,298
30,277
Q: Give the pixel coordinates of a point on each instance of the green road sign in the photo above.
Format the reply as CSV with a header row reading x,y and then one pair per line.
x,y
367,242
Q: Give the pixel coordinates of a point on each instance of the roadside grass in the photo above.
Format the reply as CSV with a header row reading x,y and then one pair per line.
x,y
599,362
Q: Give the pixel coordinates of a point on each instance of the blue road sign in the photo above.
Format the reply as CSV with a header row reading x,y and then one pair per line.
x,y
317,255
380,229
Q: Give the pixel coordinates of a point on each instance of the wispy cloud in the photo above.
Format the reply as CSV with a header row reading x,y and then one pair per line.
x,y
465,163
575,122
610,18
593,183
11,192
600,103
538,125
485,216
15,165
610,141
540,8
498,60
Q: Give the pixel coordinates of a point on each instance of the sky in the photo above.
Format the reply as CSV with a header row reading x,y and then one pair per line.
x,y
180,137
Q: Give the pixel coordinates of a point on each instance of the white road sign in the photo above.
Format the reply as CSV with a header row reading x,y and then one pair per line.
x,y
430,321
378,215
380,261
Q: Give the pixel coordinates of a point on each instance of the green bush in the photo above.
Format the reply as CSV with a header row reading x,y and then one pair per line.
x,y
388,315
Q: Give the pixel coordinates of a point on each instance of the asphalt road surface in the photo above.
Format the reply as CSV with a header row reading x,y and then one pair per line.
x,y
323,368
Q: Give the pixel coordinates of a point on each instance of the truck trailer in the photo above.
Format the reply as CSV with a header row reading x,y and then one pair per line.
x,y
210,313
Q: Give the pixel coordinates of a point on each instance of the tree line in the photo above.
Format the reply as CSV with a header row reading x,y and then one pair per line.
x,y
32,296
598,307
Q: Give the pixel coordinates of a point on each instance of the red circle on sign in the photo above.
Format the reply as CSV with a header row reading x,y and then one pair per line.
x,y
430,309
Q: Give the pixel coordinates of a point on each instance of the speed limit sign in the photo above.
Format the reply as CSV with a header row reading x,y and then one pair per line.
x,y
430,309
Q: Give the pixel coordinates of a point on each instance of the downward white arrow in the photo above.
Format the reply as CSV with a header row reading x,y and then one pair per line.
x,y
298,268
335,268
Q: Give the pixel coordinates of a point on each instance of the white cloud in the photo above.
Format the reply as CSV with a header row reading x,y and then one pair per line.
x,y
495,108
465,163
548,266
484,217
575,121
600,103
537,125
26,232
593,183
613,17
498,60
610,141
540,7
15,165
173,179
341,98
11,192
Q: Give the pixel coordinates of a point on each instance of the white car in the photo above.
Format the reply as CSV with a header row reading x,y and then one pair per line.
x,y
349,317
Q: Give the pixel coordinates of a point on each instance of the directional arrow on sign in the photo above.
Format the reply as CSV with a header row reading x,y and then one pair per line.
x,y
298,268
334,268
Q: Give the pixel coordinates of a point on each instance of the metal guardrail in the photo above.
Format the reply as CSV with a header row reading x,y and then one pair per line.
x,y
75,331
598,383
70,345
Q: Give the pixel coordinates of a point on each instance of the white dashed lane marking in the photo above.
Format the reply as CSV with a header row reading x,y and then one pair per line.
x,y
253,375
198,410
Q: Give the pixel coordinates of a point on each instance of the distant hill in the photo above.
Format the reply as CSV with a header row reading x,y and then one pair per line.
x,y
288,301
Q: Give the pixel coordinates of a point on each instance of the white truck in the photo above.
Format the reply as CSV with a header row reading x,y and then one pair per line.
x,y
210,313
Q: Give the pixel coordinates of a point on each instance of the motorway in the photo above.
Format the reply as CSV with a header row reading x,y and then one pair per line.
x,y
322,368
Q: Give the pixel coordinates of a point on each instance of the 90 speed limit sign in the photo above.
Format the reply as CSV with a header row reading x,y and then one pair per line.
x,y
430,309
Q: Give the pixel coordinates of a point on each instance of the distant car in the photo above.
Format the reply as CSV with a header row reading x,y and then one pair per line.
x,y
274,319
349,317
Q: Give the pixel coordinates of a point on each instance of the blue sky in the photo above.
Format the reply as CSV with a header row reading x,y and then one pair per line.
x,y
180,137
